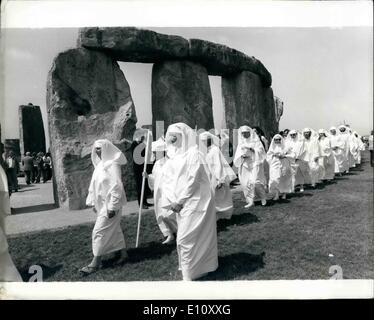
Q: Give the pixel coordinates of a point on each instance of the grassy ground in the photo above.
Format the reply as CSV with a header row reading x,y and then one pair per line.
x,y
291,239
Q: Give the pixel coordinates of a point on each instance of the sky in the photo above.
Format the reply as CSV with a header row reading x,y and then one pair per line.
x,y
323,75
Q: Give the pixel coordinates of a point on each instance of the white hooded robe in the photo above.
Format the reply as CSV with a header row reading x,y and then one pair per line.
x,y
105,193
250,165
187,183
219,173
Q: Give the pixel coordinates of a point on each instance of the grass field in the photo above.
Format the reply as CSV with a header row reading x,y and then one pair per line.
x,y
291,239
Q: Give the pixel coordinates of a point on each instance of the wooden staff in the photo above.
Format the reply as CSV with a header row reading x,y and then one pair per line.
x,y
143,185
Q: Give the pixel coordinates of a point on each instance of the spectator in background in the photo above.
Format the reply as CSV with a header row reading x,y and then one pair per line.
x,y
38,163
28,165
12,169
138,151
371,148
47,167
34,172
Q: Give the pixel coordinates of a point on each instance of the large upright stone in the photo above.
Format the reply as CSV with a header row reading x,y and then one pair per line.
x,y
221,60
88,98
31,129
278,106
133,44
247,102
181,93
268,113
1,146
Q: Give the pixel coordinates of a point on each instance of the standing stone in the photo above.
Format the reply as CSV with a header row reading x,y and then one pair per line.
x,y
181,93
31,129
278,106
1,147
88,98
247,102
271,122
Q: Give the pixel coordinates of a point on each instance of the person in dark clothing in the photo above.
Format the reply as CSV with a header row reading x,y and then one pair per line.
x,y
47,167
138,152
38,165
28,165
12,169
34,171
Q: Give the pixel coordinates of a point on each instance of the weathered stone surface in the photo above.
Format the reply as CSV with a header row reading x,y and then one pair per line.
x,y
1,145
278,105
247,102
31,129
268,113
88,98
134,45
139,45
12,145
181,92
221,60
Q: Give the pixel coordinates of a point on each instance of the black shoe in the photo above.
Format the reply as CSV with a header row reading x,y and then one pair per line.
x,y
144,206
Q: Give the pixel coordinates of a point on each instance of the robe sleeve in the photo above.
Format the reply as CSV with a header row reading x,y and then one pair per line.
x,y
238,160
90,200
260,154
217,163
115,199
269,156
151,177
194,169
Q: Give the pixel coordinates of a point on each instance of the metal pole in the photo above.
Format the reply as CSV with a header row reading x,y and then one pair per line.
x,y
142,192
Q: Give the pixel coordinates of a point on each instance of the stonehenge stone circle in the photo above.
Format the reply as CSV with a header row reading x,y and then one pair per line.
x,y
88,97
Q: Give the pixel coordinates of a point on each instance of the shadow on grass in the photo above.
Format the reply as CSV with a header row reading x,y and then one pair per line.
x,y
237,219
351,173
37,208
272,202
151,251
48,271
235,265
299,195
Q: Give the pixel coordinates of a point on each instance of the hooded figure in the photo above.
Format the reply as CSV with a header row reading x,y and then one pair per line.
x,y
8,271
339,150
279,157
327,160
311,157
353,148
295,145
107,195
345,138
166,219
249,159
186,190
361,147
220,174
